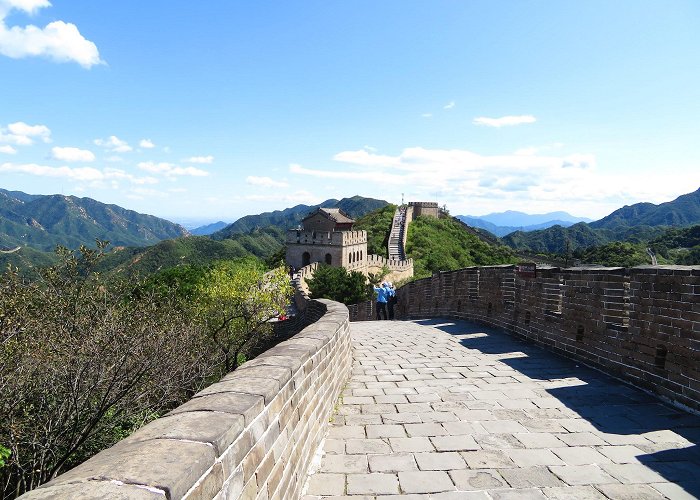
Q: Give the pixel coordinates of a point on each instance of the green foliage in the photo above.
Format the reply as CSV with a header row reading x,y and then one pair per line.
x,y
86,358
236,301
5,453
378,226
336,283
617,254
443,245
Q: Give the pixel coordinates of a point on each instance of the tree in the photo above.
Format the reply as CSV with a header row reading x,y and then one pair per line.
x,y
236,301
83,361
336,283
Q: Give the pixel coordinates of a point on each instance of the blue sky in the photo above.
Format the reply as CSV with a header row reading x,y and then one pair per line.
x,y
199,111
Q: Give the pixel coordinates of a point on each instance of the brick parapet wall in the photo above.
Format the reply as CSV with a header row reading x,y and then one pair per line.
x,y
640,324
251,435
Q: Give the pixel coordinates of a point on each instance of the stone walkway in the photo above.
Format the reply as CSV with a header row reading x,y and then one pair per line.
x,y
446,410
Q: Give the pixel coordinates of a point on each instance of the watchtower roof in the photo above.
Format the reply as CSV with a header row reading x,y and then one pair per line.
x,y
327,219
337,215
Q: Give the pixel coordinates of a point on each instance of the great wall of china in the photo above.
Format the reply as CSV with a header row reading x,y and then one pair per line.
x,y
254,433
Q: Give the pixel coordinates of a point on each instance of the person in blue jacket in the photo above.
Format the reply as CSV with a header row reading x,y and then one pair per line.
x,y
382,299
391,299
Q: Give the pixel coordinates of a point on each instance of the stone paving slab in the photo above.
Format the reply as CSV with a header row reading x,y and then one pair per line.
x,y
450,410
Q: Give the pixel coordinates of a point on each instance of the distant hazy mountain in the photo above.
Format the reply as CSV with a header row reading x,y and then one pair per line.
x,y
355,207
520,219
42,222
209,228
504,223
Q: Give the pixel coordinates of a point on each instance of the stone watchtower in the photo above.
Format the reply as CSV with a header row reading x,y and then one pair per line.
x,y
326,236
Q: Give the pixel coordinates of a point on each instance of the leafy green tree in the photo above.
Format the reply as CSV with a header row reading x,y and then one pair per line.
x,y
236,301
336,283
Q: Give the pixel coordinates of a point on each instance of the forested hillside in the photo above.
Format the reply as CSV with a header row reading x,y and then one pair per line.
x,y
42,222
443,245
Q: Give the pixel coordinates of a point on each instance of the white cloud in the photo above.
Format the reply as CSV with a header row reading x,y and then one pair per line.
x,y
504,121
114,144
171,170
146,144
427,115
199,159
266,182
58,40
72,154
449,105
83,174
366,158
9,150
21,134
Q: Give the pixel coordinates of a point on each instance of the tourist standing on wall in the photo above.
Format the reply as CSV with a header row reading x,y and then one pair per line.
x,y
391,299
382,297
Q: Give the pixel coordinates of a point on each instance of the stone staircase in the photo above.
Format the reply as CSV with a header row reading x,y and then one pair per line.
x,y
398,227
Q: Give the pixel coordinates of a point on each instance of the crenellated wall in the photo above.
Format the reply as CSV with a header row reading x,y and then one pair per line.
x,y
252,435
640,324
398,269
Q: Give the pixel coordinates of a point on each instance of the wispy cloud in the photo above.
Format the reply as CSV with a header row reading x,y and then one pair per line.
x,y
504,121
266,182
114,144
85,174
427,115
449,105
171,170
72,154
22,134
203,160
8,150
58,40
146,144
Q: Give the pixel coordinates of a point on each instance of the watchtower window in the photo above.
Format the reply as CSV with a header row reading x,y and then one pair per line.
x,y
329,259
305,259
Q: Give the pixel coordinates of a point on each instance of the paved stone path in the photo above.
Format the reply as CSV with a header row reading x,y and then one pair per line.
x,y
447,410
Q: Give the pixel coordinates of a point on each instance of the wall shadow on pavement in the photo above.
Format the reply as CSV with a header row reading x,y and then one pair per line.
x,y
612,406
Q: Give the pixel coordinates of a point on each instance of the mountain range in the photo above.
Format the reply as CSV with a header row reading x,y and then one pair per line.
x,y
44,221
504,223
37,223
634,223
288,218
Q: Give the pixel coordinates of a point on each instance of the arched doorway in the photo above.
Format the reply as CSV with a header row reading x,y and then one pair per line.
x,y
329,259
305,259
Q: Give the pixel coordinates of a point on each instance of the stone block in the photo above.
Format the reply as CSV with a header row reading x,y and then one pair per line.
x,y
425,482
93,490
170,465
219,430
237,404
372,484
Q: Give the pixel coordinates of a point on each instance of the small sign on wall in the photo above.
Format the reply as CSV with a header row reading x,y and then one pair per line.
x,y
526,269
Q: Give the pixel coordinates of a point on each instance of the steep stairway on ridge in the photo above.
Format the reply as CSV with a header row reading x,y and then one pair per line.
x,y
396,237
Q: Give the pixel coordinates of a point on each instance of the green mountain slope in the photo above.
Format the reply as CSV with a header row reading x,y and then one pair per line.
x,y
556,239
356,206
378,225
444,245
682,211
195,250
42,222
